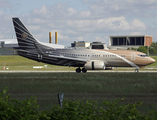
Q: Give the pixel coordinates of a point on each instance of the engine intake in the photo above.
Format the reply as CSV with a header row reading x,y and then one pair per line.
x,y
95,65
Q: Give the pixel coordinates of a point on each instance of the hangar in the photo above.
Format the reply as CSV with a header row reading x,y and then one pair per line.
x,y
10,43
125,42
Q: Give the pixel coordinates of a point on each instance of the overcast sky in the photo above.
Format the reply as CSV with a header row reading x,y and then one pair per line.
x,y
77,20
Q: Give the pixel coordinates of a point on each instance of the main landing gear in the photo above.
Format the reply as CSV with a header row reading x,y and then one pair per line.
x,y
78,70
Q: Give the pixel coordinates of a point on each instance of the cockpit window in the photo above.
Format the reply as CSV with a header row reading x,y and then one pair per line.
x,y
143,55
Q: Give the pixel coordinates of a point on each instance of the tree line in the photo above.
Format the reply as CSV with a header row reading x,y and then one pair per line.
x,y
144,49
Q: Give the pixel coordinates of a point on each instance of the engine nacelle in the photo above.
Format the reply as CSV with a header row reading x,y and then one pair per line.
x,y
95,65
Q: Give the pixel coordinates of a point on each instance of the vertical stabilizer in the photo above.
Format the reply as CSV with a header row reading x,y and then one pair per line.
x,y
24,37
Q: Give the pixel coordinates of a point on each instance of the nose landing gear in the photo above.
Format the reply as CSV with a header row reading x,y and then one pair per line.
x,y
136,71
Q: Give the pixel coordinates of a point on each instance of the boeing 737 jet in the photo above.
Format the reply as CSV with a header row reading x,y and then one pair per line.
x,y
83,59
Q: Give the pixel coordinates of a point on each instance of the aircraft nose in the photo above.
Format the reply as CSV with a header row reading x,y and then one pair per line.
x,y
151,60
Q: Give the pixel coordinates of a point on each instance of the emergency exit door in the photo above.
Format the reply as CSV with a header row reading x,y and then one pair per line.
x,y
133,56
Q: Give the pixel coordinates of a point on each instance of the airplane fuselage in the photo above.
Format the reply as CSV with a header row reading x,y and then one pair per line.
x,y
111,58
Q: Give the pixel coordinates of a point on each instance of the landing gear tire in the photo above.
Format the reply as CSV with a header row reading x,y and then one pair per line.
x,y
78,70
84,70
136,71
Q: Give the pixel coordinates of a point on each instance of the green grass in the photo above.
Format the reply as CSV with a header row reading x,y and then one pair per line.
x,y
83,83
96,86
15,62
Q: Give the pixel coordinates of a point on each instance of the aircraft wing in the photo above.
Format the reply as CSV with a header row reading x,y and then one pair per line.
x,y
69,58
67,61
60,60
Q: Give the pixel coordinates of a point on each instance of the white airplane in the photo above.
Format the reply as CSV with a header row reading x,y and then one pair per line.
x,y
87,59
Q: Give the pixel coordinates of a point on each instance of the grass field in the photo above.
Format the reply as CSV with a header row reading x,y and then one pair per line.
x,y
90,86
16,62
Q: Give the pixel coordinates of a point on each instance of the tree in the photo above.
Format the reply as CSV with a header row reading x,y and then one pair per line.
x,y
129,49
135,49
132,49
153,48
153,44
152,51
142,49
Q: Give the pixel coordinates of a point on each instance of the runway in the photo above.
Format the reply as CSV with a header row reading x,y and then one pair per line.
x,y
95,71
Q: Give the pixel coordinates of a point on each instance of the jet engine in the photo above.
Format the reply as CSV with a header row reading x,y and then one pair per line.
x,y
95,65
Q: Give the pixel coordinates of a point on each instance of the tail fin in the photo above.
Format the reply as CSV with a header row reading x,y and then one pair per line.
x,y
24,37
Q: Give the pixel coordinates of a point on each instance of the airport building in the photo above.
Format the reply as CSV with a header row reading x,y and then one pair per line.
x,y
9,43
84,44
125,42
98,45
80,44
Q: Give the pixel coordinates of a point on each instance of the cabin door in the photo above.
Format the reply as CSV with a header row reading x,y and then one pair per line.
x,y
133,55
